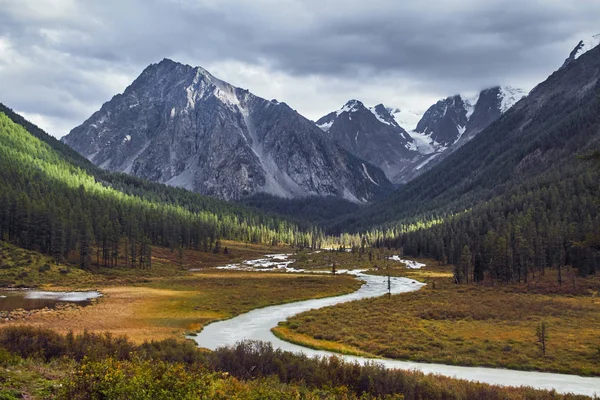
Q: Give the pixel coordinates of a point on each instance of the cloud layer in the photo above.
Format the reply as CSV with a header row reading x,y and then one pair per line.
x,y
61,59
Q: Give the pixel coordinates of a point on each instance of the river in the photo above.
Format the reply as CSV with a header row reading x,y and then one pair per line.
x,y
257,324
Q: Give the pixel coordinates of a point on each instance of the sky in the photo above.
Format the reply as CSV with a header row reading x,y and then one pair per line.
x,y
60,60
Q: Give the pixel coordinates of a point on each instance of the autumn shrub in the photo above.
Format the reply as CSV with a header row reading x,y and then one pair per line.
x,y
250,360
27,341
133,380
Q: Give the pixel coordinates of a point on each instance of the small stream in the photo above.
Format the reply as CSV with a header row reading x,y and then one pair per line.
x,y
257,324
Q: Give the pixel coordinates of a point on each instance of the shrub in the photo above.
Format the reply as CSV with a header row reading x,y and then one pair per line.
x,y
44,268
135,379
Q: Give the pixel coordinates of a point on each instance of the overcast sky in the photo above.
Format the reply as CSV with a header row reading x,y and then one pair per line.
x,y
61,59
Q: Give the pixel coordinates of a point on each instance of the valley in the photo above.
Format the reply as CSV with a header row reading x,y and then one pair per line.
x,y
193,240
474,325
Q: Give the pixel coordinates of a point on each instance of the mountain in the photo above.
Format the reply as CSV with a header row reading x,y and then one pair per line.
x,y
182,126
371,134
377,135
453,121
405,118
51,203
455,117
582,47
530,146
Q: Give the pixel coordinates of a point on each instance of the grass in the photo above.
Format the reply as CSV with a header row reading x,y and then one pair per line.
x,y
465,325
167,300
27,378
24,268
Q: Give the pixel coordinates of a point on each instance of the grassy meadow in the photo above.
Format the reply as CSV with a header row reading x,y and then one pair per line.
x,y
165,301
465,325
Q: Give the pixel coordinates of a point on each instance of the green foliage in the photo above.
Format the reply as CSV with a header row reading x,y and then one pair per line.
x,y
131,380
304,211
51,205
249,370
517,195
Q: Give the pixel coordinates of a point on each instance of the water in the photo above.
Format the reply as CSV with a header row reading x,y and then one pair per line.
x,y
34,299
257,324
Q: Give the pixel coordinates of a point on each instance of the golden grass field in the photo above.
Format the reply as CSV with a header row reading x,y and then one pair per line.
x,y
168,301
465,325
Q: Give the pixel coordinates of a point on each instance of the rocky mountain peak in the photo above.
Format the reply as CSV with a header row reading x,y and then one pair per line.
x,y
181,125
383,114
582,47
370,133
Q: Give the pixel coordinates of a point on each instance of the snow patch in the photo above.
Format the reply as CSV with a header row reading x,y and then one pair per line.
x,y
367,174
509,96
406,119
349,107
461,130
588,45
470,103
423,143
271,262
63,296
326,126
379,118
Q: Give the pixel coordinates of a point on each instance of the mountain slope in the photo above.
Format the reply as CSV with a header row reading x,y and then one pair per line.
x,y
51,205
182,126
146,190
559,118
455,118
371,134
376,134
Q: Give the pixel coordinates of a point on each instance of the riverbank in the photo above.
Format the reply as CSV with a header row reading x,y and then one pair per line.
x,y
166,301
465,325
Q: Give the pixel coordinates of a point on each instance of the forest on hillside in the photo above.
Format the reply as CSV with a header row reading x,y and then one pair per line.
x,y
53,206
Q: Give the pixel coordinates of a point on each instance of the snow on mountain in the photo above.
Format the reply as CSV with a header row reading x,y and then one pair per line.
x,y
405,118
370,133
586,45
582,47
509,96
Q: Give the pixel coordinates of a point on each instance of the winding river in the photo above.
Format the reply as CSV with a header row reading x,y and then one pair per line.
x,y
257,324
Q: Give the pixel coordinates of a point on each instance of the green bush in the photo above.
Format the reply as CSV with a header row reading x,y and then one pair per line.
x,y
133,380
44,268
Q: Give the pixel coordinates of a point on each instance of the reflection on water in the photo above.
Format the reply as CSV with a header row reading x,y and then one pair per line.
x,y
34,299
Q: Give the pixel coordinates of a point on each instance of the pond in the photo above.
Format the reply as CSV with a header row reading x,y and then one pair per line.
x,y
28,299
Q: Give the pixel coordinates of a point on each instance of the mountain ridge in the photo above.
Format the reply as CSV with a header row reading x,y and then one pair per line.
x,y
180,125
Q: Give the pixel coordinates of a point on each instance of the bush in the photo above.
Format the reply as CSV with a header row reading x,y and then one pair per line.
x,y
44,268
136,379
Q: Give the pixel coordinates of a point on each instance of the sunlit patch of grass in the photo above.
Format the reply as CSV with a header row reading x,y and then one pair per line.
x,y
467,325
285,333
170,307
24,268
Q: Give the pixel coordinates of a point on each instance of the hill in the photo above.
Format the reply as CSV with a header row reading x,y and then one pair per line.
x,y
55,202
516,196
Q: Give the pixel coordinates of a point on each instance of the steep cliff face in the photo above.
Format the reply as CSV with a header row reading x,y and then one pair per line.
x,y
180,125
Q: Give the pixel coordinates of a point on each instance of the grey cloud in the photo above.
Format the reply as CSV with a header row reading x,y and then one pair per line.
x,y
73,50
